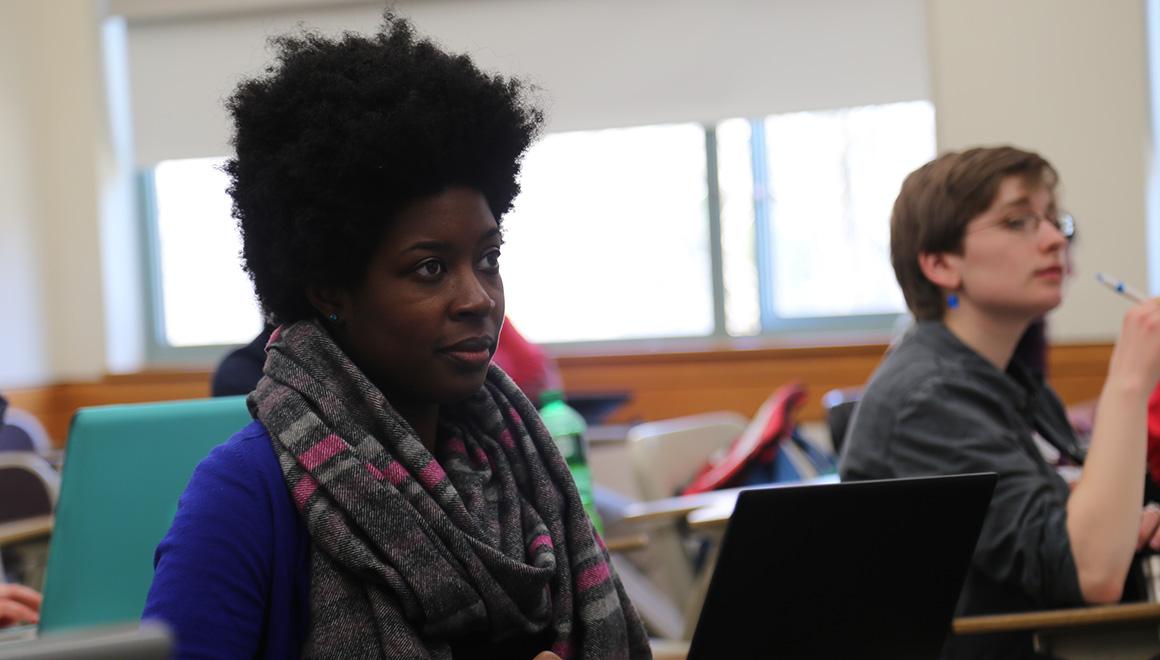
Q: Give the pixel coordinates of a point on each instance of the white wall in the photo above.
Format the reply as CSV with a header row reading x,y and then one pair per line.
x,y
49,202
1066,78
23,354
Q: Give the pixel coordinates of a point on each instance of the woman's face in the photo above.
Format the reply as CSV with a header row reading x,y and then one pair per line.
x,y
1013,260
424,323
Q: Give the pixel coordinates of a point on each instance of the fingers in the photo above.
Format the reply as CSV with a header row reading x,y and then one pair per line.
x,y
1149,528
19,593
1154,541
1136,360
14,612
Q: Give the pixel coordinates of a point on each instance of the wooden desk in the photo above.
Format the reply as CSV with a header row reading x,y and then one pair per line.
x,y
672,509
626,543
704,510
714,516
1124,632
24,530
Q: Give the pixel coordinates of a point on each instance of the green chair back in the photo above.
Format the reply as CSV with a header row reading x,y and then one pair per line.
x,y
125,467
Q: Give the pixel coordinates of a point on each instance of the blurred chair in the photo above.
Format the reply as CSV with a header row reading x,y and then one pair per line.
x,y
21,431
28,486
28,492
665,455
125,469
839,405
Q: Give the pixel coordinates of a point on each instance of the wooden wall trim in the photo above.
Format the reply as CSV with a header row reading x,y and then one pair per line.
x,y
669,385
661,385
54,405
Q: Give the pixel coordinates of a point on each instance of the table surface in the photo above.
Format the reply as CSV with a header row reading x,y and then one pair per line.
x,y
717,514
1123,613
22,530
705,509
626,543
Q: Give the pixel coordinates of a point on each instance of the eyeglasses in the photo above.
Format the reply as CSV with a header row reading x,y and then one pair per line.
x,y
1027,224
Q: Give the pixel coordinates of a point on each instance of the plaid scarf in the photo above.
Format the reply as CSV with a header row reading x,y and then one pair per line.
x,y
411,550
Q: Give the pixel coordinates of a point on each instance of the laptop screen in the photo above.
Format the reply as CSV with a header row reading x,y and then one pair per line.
x,y
868,569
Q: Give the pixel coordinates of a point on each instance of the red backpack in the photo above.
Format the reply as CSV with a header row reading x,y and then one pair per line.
x,y
754,456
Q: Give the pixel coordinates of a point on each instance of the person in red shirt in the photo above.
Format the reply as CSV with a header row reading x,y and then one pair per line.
x,y
527,364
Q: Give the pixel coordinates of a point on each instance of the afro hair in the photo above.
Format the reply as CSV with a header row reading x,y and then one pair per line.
x,y
339,133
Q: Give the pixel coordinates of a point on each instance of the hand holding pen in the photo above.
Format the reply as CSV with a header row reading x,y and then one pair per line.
x,y
1136,358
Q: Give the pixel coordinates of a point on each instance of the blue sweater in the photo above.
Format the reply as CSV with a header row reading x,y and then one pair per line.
x,y
232,576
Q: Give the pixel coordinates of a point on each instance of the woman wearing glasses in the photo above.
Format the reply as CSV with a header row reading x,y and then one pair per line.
x,y
979,248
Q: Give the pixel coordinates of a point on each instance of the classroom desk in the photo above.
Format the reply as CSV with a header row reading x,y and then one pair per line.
x,y
1127,631
626,543
26,529
714,516
704,510
670,509
667,649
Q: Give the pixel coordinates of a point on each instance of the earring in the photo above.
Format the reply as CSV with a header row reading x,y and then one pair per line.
x,y
952,300
333,317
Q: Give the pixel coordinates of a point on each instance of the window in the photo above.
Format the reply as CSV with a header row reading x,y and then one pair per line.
x,y
746,227
609,238
205,297
805,218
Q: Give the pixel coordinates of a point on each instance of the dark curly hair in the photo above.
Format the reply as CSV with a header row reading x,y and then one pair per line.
x,y
340,133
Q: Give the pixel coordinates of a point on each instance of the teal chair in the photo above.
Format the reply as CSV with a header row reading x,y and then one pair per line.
x,y
125,467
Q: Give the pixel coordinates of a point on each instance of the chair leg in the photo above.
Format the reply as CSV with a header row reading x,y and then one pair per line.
x,y
700,587
659,613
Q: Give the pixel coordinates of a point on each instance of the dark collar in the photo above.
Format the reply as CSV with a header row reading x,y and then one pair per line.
x,y
1018,384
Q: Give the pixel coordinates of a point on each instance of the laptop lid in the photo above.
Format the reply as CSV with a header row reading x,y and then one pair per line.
x,y
125,468
149,641
868,569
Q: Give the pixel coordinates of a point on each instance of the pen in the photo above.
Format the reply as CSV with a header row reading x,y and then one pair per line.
x,y
1119,287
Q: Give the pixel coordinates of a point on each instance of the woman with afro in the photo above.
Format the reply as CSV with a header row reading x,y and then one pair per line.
x,y
396,496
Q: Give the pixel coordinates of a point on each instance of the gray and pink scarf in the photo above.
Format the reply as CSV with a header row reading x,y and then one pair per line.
x,y
411,550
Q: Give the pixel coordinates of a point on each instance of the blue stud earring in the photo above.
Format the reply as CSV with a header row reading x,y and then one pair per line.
x,y
952,301
333,317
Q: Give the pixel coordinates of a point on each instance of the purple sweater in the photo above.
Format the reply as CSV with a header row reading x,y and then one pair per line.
x,y
232,575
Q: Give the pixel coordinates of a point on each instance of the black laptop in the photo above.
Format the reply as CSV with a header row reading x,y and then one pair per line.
x,y
868,569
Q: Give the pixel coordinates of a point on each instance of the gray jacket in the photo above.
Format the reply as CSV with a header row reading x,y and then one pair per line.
x,y
934,406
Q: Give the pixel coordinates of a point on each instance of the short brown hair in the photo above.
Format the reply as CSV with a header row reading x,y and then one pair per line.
x,y
938,200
